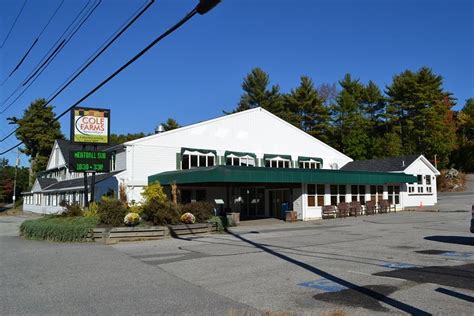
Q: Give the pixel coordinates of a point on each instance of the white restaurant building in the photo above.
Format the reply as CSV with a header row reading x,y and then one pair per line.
x,y
252,161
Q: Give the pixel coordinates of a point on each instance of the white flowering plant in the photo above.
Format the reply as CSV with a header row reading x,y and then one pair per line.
x,y
188,218
131,219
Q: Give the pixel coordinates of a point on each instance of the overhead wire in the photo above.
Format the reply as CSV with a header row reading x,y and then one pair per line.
x,y
34,42
131,20
201,8
49,54
13,25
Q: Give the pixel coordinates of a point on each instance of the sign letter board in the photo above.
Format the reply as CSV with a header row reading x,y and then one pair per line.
x,y
88,160
90,126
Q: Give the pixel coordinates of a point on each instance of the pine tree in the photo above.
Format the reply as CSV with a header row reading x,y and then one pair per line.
x,y
170,124
351,127
37,131
304,108
257,94
424,113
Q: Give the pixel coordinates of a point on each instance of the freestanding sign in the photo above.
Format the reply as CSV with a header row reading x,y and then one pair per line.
x,y
90,126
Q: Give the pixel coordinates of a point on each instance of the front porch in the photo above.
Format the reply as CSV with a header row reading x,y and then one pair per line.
x,y
256,192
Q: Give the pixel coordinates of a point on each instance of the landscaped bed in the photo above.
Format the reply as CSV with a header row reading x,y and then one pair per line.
x,y
56,228
114,219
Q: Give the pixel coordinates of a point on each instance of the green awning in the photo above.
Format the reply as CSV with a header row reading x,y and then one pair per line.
x,y
237,174
301,158
202,151
271,156
239,154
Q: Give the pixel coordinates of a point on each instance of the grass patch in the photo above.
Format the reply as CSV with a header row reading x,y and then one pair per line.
x,y
55,228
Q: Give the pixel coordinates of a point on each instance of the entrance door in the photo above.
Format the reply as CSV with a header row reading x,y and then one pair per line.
x,y
280,202
252,202
394,194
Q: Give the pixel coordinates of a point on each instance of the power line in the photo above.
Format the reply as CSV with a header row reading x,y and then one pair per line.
x,y
34,42
13,25
49,53
203,7
131,20
69,37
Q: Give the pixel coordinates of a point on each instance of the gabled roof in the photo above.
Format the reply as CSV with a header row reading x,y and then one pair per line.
x,y
235,115
381,165
79,182
46,182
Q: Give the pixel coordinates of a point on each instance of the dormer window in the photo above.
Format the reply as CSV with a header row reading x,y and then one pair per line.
x,y
310,163
277,161
195,158
240,159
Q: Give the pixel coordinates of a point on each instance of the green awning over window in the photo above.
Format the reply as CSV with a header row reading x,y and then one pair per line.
x,y
271,156
239,154
301,158
202,151
237,174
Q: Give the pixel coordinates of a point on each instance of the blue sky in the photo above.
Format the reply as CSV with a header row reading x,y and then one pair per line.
x,y
197,72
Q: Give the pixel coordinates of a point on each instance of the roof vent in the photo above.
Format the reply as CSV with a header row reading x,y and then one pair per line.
x,y
160,129
403,163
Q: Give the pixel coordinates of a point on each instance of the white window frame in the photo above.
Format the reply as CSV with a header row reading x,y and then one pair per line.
x,y
278,162
247,160
198,154
309,164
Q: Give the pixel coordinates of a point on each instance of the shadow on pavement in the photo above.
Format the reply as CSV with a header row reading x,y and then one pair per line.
x,y
351,286
455,294
459,240
461,276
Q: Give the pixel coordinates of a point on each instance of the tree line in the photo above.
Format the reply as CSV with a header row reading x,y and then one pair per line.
x,y
412,115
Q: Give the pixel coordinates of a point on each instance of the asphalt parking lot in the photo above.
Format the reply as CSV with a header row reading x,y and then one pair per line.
x,y
408,262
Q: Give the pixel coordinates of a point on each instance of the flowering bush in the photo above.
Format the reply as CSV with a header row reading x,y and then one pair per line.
x,y
131,219
188,218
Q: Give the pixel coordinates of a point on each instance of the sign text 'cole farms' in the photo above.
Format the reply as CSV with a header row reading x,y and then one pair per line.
x,y
90,126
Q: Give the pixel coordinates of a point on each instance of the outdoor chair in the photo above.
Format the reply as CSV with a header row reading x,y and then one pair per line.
x,y
355,208
329,211
343,209
384,206
370,208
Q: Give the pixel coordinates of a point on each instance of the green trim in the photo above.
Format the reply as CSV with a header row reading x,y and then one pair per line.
x,y
302,158
239,154
178,161
236,174
271,156
202,151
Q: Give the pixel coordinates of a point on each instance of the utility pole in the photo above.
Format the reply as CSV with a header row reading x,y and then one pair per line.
x,y
17,162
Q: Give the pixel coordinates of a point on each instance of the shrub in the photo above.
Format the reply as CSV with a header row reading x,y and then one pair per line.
x,y
91,210
162,213
222,222
201,210
111,211
72,210
58,228
154,192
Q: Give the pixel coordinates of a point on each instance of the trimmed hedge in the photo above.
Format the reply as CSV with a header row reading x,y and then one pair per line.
x,y
55,228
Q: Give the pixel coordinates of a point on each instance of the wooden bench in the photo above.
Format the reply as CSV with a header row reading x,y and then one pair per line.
x,y
329,211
